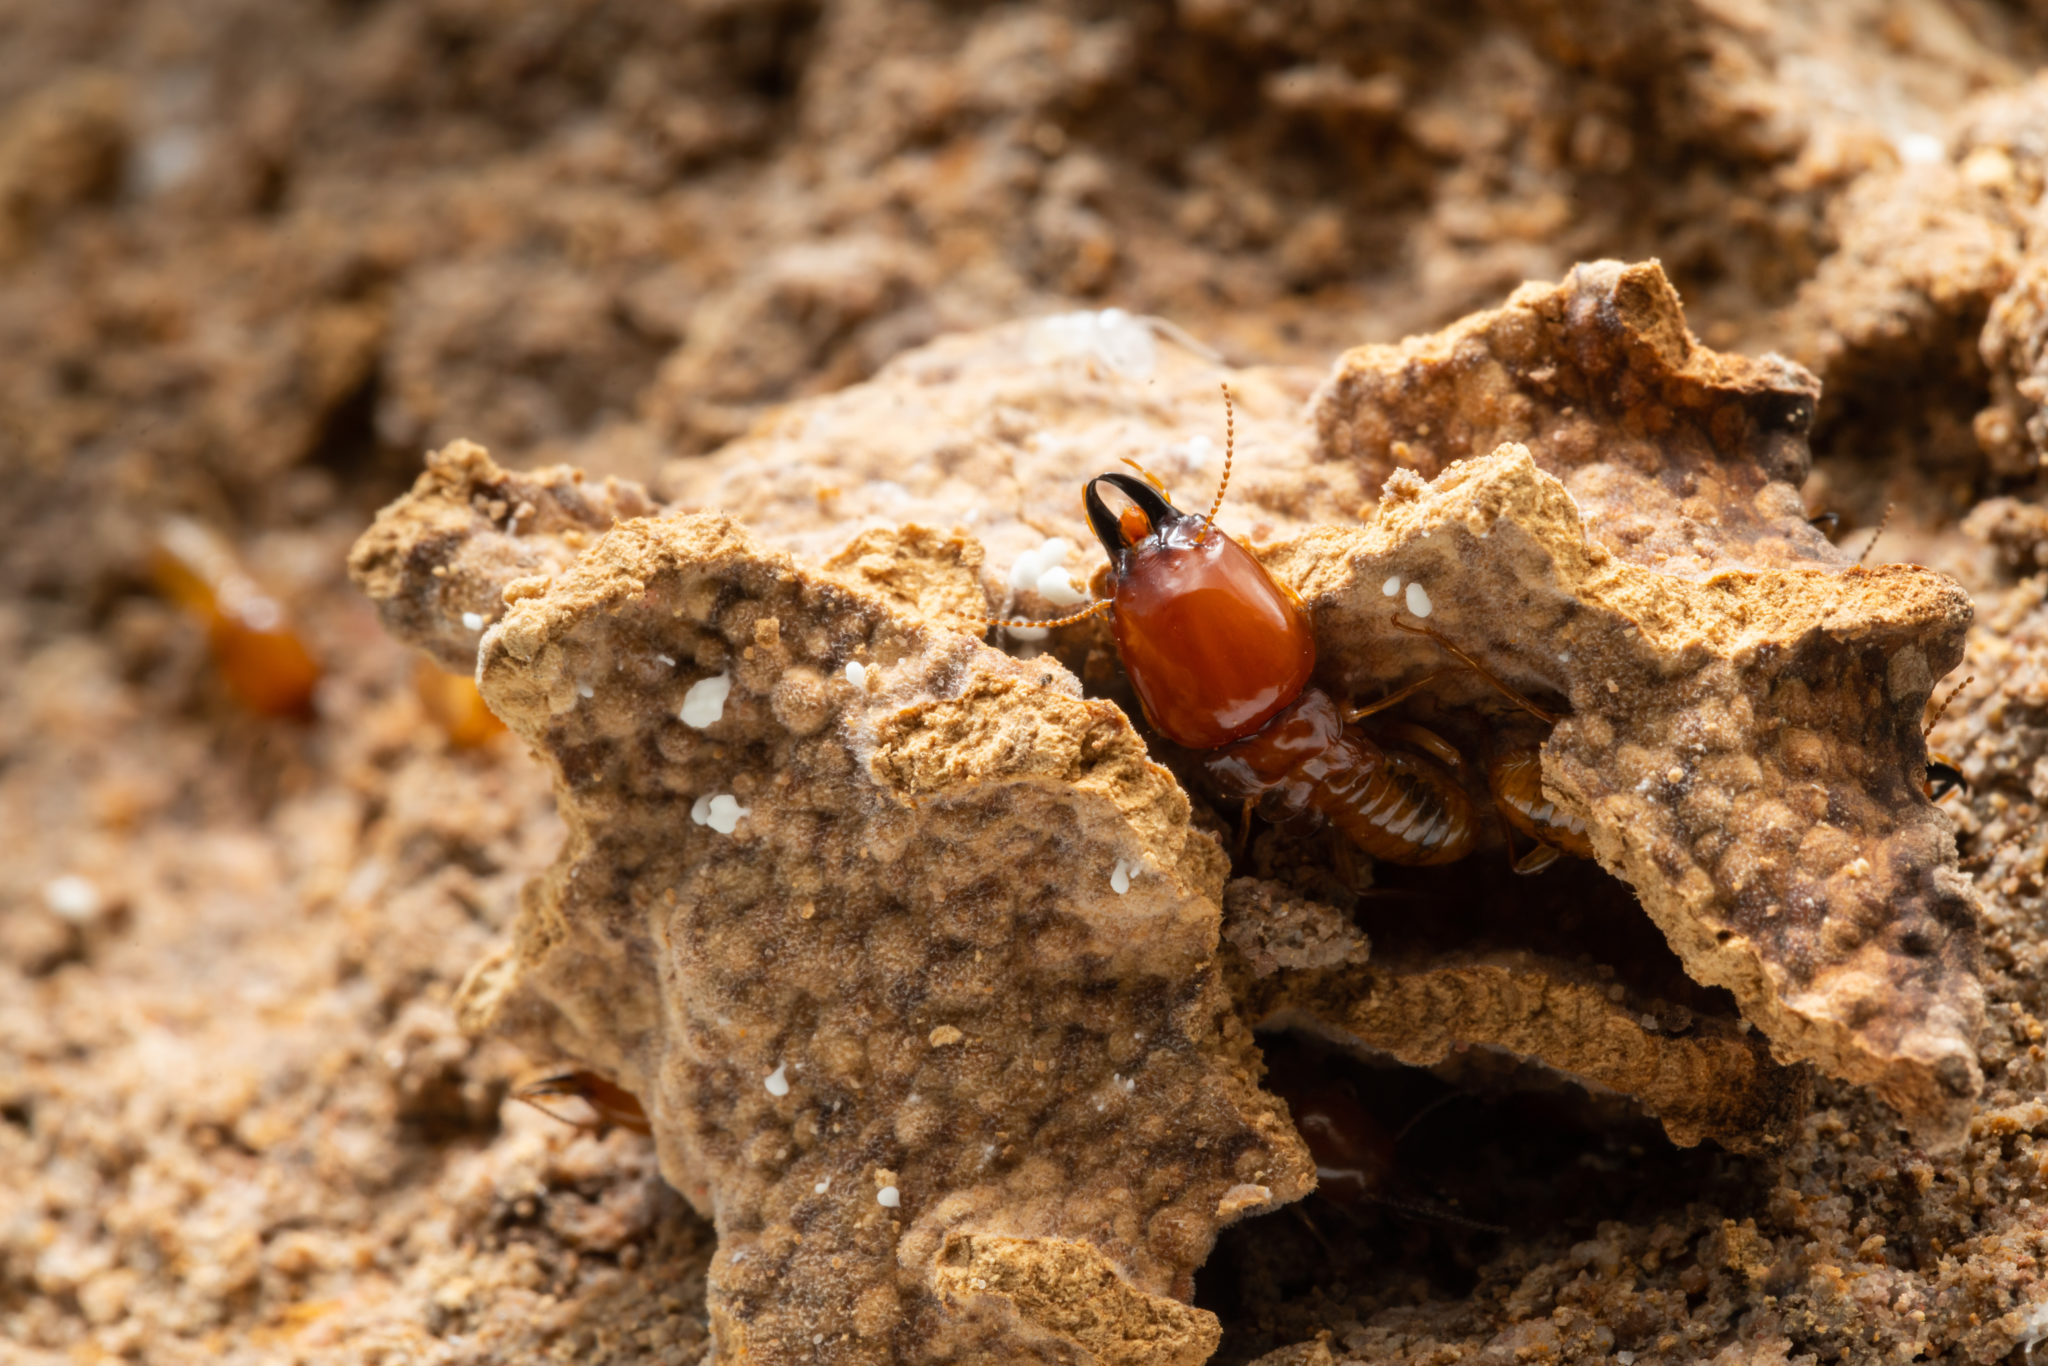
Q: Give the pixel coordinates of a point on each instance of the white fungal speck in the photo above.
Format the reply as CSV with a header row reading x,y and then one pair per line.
x,y
1418,600
472,621
857,674
888,1197
1032,564
1392,585
722,812
1121,342
777,1081
72,897
822,1186
585,690
1058,589
704,703
1120,876
1921,149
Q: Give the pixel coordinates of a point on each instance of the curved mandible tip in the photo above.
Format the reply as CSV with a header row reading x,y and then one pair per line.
x,y
1104,522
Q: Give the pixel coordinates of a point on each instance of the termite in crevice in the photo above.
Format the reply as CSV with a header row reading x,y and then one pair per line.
x,y
1356,1156
611,1105
1220,655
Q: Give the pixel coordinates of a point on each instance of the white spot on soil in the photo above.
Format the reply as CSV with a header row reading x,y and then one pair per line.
x,y
472,621
73,897
777,1081
822,1186
1418,600
585,690
888,1197
704,703
1058,589
857,674
667,659
722,812
1392,585
1922,149
1032,565
1120,876
1121,342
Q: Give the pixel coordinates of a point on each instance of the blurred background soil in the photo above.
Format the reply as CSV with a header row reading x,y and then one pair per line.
x,y
256,258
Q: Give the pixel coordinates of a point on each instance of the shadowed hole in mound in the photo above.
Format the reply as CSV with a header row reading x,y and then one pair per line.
x,y
1510,1145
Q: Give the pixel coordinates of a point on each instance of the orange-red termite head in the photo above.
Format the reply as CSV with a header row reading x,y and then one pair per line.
x,y
1213,646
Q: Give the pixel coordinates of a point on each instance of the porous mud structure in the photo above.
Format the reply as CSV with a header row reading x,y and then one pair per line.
x,y
756,354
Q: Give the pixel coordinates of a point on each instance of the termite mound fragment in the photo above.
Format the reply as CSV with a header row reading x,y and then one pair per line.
x,y
1682,458
1298,964
1746,748
845,923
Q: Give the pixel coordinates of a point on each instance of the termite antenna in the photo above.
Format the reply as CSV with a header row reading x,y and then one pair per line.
x,y
1546,717
1882,523
1399,695
1982,859
1100,604
1229,449
1935,720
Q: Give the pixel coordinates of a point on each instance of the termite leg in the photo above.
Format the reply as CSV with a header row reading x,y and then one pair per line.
x,y
1429,742
1546,717
1537,859
1244,829
1399,694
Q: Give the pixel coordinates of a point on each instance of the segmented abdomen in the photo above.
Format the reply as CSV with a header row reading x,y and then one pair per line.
x,y
1402,807
1515,773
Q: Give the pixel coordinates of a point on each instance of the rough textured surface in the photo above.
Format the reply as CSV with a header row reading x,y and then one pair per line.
x,y
933,1079
1746,749
1306,968
255,259
1681,458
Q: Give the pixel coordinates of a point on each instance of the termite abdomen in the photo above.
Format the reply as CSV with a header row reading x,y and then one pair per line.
x,y
1403,807
1514,771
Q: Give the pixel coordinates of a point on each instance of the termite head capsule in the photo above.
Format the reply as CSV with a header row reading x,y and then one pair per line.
x,y
1213,645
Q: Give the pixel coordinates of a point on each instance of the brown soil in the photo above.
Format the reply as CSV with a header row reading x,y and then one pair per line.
x,y
255,259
